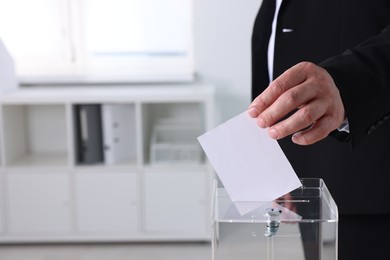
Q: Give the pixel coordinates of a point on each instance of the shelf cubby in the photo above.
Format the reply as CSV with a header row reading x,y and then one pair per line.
x,y
35,135
156,172
170,131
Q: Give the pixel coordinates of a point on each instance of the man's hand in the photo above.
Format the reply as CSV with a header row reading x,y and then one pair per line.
x,y
309,89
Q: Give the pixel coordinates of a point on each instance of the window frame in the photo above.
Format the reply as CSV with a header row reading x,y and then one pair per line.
x,y
78,70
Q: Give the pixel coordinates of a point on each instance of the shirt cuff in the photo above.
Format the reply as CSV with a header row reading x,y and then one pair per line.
x,y
344,127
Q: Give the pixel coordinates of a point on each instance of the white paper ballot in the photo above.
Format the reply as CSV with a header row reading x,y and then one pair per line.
x,y
250,164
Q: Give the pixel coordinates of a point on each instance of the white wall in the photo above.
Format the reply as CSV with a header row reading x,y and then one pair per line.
x,y
223,30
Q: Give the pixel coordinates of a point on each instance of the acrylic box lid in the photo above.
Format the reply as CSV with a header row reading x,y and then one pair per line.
x,y
312,202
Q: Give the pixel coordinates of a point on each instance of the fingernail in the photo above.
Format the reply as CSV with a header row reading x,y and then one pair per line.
x,y
253,112
261,123
273,134
296,136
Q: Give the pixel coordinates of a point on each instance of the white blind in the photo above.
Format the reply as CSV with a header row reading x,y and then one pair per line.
x,y
99,40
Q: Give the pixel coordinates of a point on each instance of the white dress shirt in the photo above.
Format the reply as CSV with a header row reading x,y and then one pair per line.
x,y
271,44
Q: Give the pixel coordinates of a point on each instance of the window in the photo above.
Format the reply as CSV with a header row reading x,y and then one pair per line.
x,y
99,40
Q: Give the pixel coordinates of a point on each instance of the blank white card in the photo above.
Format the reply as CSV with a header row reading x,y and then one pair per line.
x,y
251,165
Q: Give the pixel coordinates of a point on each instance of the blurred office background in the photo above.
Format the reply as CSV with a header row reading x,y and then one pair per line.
x,y
220,35
213,49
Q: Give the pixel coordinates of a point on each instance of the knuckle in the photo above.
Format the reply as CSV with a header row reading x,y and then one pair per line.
x,y
283,129
268,118
308,66
291,98
278,86
306,116
261,102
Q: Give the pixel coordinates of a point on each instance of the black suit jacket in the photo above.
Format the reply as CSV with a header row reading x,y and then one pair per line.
x,y
351,40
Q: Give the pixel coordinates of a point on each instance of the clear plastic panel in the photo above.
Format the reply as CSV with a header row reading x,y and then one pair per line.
x,y
301,225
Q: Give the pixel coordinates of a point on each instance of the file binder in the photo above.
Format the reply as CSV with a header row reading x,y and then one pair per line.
x,y
118,123
89,145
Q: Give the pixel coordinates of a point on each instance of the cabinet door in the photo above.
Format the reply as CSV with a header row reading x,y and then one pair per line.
x,y
1,204
38,202
175,202
107,202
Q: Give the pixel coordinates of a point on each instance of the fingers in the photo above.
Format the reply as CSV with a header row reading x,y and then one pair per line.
x,y
301,119
308,90
289,79
317,132
287,102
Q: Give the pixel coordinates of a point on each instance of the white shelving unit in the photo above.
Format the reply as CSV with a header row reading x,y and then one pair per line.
x,y
47,196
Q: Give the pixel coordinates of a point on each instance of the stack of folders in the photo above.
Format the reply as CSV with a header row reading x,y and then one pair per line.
x,y
105,133
174,141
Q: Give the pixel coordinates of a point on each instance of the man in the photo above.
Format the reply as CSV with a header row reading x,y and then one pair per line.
x,y
331,65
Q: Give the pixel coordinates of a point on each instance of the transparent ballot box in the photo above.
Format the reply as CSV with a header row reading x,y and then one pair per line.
x,y
301,225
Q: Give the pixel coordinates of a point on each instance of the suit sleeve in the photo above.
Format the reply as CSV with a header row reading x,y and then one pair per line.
x,y
362,75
